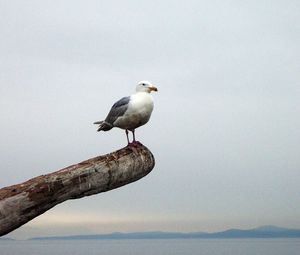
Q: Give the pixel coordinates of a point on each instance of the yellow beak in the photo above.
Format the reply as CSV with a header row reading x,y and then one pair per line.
x,y
153,88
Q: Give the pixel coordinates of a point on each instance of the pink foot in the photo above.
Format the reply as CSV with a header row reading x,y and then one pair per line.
x,y
134,144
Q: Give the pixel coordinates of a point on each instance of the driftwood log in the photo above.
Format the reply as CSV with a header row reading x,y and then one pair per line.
x,y
22,202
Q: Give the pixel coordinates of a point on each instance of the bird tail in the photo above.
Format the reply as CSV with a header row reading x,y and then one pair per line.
x,y
103,125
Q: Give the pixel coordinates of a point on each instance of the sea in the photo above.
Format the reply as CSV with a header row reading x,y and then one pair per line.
x,y
285,246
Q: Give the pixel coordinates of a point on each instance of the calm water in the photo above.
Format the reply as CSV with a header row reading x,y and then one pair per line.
x,y
157,247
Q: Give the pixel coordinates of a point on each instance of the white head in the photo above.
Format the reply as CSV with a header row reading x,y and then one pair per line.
x,y
145,86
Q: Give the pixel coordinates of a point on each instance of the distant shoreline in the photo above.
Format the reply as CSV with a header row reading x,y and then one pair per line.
x,y
260,232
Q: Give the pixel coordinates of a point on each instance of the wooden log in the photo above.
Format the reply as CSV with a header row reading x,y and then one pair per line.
x,y
21,203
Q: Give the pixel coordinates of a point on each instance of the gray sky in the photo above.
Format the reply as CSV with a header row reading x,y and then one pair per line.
x,y
225,127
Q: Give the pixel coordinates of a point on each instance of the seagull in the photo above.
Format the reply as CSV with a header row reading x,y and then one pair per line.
x,y
130,112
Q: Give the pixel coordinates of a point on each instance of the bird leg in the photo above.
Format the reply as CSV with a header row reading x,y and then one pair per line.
x,y
134,141
127,136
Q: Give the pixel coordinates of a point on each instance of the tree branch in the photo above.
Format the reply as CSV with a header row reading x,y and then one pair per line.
x,y
21,203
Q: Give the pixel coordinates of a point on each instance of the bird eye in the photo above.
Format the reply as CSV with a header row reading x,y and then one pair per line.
x,y
143,84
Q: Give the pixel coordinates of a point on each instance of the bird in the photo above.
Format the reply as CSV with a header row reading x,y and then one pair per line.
x,y
130,112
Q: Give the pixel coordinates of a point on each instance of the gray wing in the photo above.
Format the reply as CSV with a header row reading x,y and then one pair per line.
x,y
117,110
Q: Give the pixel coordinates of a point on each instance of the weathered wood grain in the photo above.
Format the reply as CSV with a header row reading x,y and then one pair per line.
x,y
21,203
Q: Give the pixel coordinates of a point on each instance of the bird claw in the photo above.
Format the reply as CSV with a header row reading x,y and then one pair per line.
x,y
134,144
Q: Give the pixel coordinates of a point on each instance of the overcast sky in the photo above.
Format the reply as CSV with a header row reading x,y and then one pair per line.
x,y
224,130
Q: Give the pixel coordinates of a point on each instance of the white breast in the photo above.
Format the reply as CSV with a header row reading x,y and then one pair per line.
x,y
138,112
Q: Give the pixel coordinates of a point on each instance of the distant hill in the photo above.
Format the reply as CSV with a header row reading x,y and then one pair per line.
x,y
260,232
